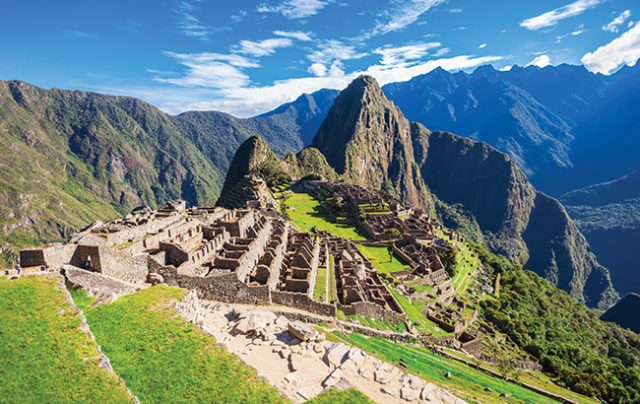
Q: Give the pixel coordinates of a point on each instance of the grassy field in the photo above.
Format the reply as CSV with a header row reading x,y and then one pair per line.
x,y
306,215
332,396
164,359
466,382
44,355
414,314
320,290
379,258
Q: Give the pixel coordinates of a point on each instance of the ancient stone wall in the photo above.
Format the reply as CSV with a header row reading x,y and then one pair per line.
x,y
372,310
303,302
137,232
55,256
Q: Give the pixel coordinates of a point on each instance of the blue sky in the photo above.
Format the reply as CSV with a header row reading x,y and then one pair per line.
x,y
246,57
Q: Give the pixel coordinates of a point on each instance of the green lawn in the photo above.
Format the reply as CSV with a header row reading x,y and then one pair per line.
x,y
351,396
164,359
466,264
414,314
333,294
466,382
306,215
379,258
44,355
320,290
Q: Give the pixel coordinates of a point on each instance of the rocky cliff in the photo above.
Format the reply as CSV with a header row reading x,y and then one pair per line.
x,y
367,140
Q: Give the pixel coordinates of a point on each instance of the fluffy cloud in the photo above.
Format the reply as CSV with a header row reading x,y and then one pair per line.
x,y
616,23
294,9
482,46
402,14
318,69
299,35
625,49
250,100
552,17
264,47
397,56
540,61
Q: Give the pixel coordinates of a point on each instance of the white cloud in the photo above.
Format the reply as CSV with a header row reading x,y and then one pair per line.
x,y
540,61
330,51
455,10
299,35
318,69
579,30
264,47
482,46
210,70
241,15
249,101
401,15
505,68
396,56
552,17
294,9
625,49
188,24
616,23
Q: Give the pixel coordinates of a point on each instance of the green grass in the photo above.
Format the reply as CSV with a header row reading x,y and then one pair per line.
x,y
466,382
44,355
164,359
306,215
414,314
378,324
351,396
333,288
320,290
379,258
466,263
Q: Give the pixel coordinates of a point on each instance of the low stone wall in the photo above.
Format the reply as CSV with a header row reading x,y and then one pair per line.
x,y
55,256
126,267
372,310
303,302
223,288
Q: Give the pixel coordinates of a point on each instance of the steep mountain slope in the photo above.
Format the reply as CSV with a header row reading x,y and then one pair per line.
x,y
625,313
609,216
70,158
551,121
516,220
367,140
287,129
255,158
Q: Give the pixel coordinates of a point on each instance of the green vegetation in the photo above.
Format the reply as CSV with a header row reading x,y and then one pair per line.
x,y
305,215
379,258
164,359
320,290
351,396
413,310
44,355
466,382
587,355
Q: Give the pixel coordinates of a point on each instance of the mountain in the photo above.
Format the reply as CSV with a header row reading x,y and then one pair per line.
x,y
625,313
287,129
469,185
255,158
367,140
609,216
71,157
553,121
75,157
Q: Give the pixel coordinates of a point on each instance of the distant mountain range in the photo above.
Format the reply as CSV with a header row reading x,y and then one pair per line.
x,y
469,185
566,127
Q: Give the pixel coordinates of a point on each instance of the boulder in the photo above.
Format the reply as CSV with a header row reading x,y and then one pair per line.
x,y
154,278
309,392
302,331
336,355
295,362
409,393
333,379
